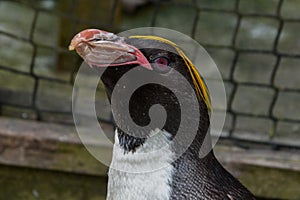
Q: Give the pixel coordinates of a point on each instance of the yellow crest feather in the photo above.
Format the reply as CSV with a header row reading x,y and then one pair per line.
x,y
201,89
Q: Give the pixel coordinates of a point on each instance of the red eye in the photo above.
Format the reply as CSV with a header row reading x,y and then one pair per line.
x,y
161,64
162,61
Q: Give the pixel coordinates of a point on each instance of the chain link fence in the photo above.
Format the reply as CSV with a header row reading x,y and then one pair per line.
x,y
255,44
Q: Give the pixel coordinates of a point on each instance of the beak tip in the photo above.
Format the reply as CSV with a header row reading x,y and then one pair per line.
x,y
71,48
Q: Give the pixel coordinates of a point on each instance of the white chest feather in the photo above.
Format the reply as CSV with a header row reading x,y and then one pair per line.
x,y
145,174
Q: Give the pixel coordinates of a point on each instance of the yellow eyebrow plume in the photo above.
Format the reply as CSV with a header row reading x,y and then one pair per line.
x,y
201,89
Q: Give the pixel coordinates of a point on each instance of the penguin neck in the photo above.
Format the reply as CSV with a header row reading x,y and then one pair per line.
x,y
200,145
154,94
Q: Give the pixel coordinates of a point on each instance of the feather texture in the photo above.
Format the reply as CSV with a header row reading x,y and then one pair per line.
x,y
200,86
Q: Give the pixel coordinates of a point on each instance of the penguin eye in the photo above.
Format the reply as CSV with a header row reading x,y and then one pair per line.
x,y
161,61
161,64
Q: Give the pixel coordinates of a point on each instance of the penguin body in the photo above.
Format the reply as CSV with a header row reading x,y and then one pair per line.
x,y
133,175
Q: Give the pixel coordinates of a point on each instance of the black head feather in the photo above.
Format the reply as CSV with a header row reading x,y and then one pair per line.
x,y
151,94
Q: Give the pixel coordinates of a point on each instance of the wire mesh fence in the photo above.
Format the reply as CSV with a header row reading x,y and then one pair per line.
x,y
255,44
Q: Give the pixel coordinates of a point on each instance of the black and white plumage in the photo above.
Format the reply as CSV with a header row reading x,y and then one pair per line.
x,y
189,176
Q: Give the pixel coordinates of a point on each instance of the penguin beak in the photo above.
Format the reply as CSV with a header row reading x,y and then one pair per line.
x,y
102,49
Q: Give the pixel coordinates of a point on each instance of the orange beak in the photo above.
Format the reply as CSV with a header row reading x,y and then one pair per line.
x,y
102,49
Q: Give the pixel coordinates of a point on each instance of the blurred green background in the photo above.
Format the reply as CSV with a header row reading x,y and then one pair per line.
x,y
255,44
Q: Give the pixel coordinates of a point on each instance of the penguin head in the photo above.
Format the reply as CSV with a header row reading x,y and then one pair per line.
x,y
152,58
